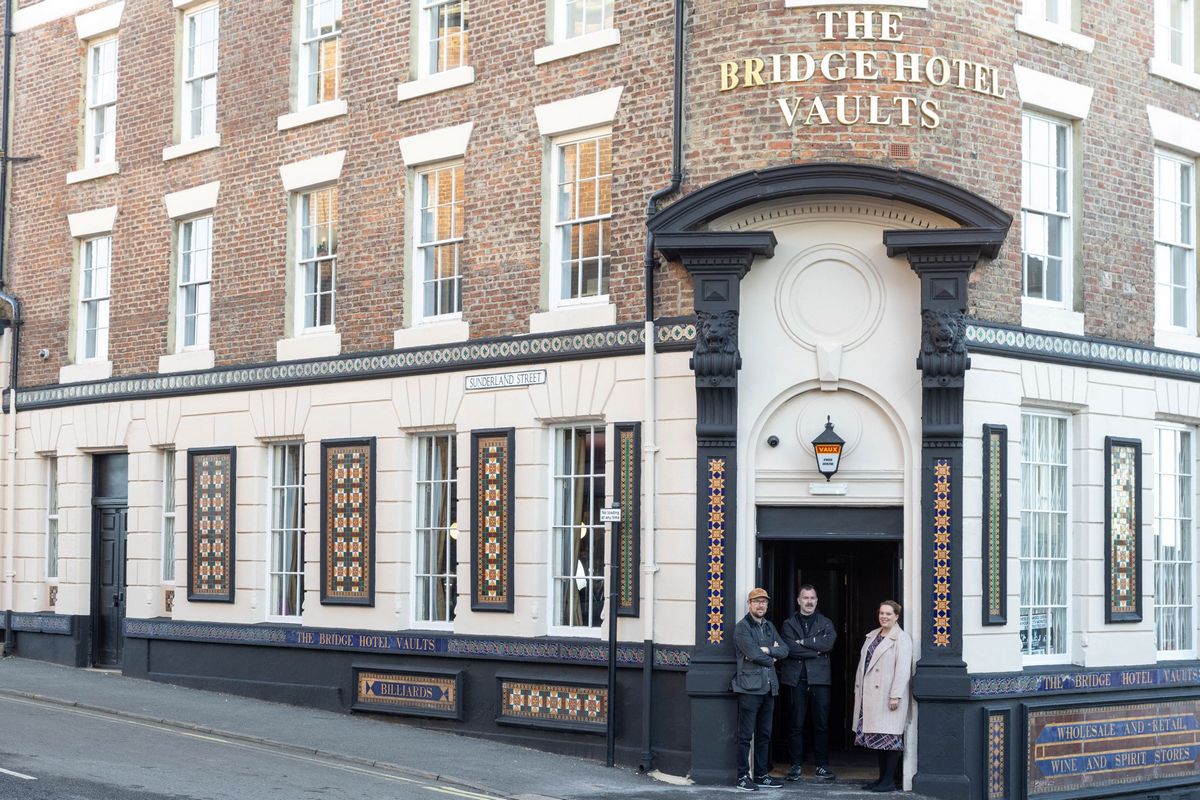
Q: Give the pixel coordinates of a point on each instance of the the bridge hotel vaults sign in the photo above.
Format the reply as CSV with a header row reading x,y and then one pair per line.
x,y
860,46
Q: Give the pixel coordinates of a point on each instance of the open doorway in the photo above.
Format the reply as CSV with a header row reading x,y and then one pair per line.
x,y
853,558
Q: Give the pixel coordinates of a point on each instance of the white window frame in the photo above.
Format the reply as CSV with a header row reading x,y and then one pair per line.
x,y
1052,12
168,516
421,246
562,15
1160,475
1066,271
275,527
100,105
312,41
558,272
1164,30
425,486
205,79
1065,656
598,469
200,284
306,261
1166,287
53,504
100,297
432,12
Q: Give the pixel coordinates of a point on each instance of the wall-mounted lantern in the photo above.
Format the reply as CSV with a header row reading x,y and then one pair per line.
x,y
828,448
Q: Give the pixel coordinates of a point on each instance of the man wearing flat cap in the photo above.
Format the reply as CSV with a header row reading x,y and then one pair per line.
x,y
759,646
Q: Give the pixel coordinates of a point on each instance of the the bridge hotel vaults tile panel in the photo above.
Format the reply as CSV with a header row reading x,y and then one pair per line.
x,y
629,493
553,705
1122,522
211,503
493,458
348,521
941,553
716,550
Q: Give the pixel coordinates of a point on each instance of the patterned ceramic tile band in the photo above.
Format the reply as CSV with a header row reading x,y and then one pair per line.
x,y
629,493
941,553
995,524
1122,529
554,705
493,459
997,763
348,521
716,551
211,529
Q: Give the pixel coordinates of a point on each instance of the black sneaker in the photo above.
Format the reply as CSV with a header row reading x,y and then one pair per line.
x,y
824,774
745,784
767,782
795,772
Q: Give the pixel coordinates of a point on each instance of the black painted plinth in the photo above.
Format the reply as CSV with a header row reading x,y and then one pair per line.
x,y
714,722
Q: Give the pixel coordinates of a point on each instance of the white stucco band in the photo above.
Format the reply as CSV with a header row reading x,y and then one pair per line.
x,y
90,223
99,22
312,171
438,145
192,201
1174,131
578,113
1055,95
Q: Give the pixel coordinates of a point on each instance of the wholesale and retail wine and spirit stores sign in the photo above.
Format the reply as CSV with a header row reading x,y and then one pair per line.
x,y
891,68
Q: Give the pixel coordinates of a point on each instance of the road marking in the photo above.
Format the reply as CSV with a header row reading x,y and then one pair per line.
x,y
20,775
461,793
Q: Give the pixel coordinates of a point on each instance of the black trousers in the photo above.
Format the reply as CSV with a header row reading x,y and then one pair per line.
x,y
754,724
810,702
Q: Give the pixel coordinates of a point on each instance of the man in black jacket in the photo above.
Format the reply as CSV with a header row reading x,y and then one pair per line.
x,y
809,636
759,646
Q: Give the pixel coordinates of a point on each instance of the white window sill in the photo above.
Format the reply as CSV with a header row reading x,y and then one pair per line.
x,y
431,332
1176,339
576,45
1041,29
1042,316
187,361
1173,72
310,345
438,82
94,171
573,317
85,371
901,3
196,144
447,627
580,632
307,116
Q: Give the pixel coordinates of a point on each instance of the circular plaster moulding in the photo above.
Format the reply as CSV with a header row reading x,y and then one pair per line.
x,y
832,294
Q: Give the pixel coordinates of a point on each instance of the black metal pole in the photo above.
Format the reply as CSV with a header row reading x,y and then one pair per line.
x,y
614,580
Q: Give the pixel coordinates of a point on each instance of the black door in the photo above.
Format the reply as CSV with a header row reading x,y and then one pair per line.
x,y
109,522
851,578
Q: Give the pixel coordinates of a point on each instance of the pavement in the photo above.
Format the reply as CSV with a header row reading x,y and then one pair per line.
x,y
491,768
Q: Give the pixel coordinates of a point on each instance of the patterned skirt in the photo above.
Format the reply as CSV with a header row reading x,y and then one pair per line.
x,y
876,741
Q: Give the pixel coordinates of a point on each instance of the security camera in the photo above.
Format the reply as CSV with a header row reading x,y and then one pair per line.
x,y
44,353
772,441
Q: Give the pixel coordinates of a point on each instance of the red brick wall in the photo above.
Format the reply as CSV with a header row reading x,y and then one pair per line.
x,y
977,146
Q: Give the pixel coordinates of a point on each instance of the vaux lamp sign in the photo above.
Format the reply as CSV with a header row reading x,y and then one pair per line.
x,y
828,448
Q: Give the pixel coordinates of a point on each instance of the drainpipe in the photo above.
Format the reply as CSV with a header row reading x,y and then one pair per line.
x,y
650,441
14,342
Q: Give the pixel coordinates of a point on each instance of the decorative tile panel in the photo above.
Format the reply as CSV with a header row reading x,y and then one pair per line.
x,y
941,553
995,524
348,521
492,502
716,551
563,706
997,754
1122,529
420,694
169,601
598,343
212,506
628,469
53,596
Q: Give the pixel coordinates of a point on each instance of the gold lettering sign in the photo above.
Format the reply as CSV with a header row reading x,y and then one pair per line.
x,y
811,69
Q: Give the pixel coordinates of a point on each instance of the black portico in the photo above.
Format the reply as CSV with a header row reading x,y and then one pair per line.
x,y
943,259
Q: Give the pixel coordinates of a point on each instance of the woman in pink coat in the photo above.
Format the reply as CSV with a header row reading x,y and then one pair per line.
x,y
881,694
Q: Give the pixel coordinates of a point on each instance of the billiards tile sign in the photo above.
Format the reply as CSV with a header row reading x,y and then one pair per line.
x,y
422,693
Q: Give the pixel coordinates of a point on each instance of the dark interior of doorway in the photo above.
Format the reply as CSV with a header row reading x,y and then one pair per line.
x,y
851,577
